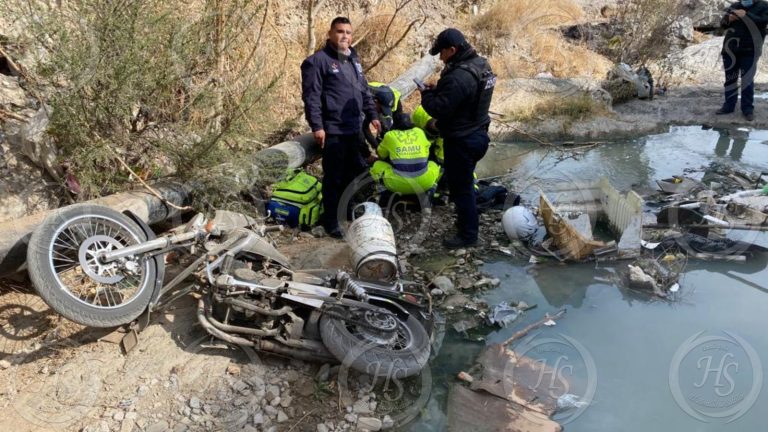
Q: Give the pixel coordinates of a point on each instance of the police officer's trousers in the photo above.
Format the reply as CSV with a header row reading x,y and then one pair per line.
x,y
342,162
461,157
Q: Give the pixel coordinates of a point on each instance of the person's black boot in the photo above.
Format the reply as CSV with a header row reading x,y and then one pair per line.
x,y
457,241
334,232
749,116
723,111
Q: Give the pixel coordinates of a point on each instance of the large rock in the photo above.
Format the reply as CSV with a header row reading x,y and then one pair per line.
x,y
682,29
705,14
33,141
593,8
444,284
11,94
702,63
22,188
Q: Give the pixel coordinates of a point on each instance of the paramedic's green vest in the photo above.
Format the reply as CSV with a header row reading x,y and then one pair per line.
x,y
406,150
420,118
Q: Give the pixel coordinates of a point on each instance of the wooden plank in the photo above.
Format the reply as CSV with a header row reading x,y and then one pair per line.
x,y
516,379
470,411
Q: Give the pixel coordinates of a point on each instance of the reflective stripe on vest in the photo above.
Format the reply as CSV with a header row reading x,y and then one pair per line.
x,y
410,167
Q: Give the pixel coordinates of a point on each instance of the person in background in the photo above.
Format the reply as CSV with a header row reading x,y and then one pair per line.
x,y
336,98
460,102
745,26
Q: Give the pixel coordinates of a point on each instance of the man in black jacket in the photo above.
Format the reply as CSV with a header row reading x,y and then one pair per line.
x,y
336,97
460,102
745,23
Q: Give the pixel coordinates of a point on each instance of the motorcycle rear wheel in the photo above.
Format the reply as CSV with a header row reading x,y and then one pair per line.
x,y
64,268
403,356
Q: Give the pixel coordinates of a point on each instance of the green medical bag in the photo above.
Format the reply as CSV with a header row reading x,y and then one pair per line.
x,y
296,200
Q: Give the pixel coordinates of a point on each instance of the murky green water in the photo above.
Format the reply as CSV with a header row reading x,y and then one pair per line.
x,y
652,368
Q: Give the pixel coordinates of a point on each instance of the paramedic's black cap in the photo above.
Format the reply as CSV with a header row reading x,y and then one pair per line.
x,y
386,98
446,39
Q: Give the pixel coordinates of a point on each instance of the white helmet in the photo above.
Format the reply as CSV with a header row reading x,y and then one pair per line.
x,y
519,223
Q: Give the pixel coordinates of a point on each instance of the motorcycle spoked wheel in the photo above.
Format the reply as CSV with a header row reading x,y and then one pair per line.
x,y
368,351
63,265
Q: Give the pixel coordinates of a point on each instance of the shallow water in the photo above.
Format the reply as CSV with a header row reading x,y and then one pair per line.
x,y
647,361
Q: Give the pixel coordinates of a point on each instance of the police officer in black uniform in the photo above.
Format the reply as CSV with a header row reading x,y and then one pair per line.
x,y
460,102
336,98
745,28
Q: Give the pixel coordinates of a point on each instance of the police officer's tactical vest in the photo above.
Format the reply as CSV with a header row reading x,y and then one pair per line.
x,y
486,82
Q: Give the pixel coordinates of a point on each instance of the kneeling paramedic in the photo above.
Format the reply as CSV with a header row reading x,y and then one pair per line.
x,y
403,166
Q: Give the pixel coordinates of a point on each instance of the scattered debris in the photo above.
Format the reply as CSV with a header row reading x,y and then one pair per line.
x,y
504,314
679,185
569,224
465,377
658,275
504,391
464,325
470,410
570,401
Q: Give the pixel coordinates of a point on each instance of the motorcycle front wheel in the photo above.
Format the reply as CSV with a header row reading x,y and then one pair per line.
x,y
64,265
383,345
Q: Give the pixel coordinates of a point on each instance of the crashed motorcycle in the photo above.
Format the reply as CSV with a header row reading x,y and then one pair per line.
x,y
102,268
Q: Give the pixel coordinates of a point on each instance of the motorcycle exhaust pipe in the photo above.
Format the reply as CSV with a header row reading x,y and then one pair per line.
x,y
262,345
296,353
213,331
237,329
245,305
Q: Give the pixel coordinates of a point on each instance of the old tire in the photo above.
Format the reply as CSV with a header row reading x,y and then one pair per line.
x,y
366,356
93,294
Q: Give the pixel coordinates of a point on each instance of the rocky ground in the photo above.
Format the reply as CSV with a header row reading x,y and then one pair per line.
x,y
56,375
176,378
681,106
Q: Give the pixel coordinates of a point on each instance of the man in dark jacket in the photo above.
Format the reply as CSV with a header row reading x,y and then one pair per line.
x,y
460,102
336,97
745,23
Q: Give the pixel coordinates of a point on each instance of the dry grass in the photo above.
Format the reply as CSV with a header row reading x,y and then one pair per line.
x,y
208,76
570,109
548,52
529,42
645,30
523,18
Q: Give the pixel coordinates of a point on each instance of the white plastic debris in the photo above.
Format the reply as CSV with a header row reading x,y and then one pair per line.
x,y
466,377
649,245
550,323
504,314
570,401
675,288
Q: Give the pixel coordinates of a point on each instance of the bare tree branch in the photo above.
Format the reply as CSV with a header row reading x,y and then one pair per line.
x,y
398,8
389,49
312,8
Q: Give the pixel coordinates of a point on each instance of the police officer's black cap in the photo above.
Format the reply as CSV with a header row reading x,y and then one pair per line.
x,y
448,38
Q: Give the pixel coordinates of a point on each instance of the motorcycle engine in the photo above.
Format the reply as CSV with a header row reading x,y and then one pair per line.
x,y
223,310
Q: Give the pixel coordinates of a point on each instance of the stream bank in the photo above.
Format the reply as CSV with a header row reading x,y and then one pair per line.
x,y
620,349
